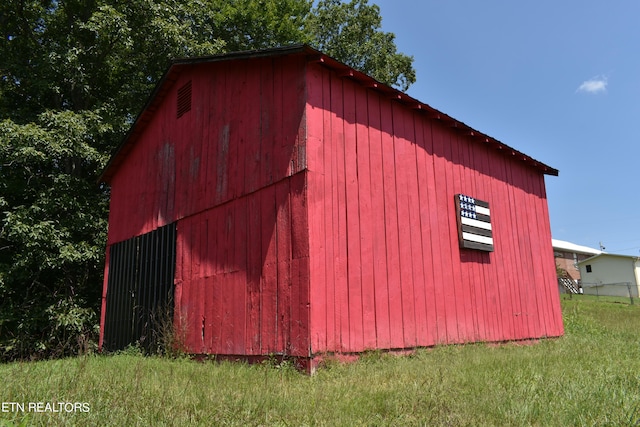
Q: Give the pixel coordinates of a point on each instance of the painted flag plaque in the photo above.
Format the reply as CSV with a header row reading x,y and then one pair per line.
x,y
474,223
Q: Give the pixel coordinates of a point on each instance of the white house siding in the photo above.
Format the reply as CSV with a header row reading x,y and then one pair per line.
x,y
610,274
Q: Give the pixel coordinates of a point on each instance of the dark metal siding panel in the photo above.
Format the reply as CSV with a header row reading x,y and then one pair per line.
x,y
140,289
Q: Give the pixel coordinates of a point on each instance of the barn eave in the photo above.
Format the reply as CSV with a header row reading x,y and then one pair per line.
x,y
178,65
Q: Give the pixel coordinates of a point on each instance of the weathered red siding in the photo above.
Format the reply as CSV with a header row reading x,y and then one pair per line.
x,y
316,214
242,134
231,172
385,262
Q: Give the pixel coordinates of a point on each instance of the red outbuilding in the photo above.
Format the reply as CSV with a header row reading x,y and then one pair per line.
x,y
278,202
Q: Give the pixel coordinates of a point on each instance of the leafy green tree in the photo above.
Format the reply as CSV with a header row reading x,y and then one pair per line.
x,y
351,32
73,76
52,235
258,24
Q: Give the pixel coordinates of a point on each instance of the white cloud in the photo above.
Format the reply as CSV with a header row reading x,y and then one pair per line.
x,y
594,85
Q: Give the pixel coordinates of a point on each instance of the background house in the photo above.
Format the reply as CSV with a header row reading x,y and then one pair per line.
x,y
280,202
567,256
611,274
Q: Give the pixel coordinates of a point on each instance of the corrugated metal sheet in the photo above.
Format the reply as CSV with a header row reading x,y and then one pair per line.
x,y
140,290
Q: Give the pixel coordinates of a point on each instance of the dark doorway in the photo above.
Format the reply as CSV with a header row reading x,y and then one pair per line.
x,y
140,290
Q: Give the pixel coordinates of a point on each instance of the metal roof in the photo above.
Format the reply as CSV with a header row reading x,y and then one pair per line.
x,y
605,255
572,247
313,55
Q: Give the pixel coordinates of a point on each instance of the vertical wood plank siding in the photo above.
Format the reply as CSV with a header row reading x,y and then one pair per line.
x,y
386,270
314,214
231,173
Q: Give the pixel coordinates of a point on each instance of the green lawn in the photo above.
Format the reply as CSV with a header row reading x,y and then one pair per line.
x,y
591,376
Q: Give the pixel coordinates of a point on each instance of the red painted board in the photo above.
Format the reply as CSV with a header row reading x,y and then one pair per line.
x,y
317,176
412,128
252,130
200,242
283,245
392,243
241,121
477,280
222,148
299,325
403,161
223,281
456,322
426,193
300,274
365,216
544,275
212,288
527,289
212,145
193,138
299,216
353,220
339,218
317,89
520,278
329,210
377,227
445,308
254,266
556,328
468,258
186,309
267,121
268,280
500,225
509,237
462,297
282,144
240,277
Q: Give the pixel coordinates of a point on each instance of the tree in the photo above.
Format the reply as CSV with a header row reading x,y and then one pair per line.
x,y
74,74
350,32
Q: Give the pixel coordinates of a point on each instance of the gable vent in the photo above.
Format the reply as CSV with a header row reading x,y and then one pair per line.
x,y
184,99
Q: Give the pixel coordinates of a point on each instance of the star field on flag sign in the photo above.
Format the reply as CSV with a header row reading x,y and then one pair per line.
x,y
474,223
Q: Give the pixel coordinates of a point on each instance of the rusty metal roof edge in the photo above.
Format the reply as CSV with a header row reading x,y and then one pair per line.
x,y
247,54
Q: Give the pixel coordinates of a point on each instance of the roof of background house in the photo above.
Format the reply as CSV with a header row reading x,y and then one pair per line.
x,y
603,255
572,247
178,65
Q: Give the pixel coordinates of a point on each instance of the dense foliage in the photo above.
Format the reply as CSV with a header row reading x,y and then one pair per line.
x,y
74,74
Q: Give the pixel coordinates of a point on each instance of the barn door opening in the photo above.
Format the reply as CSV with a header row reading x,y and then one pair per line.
x,y
139,306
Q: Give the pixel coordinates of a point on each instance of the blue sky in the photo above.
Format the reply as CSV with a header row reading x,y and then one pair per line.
x,y
557,80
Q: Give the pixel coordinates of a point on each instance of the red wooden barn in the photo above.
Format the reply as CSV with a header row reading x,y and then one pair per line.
x,y
278,202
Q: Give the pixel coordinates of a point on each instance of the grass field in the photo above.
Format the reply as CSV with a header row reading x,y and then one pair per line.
x,y
591,376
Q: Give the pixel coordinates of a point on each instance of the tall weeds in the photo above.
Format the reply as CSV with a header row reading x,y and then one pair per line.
x,y
591,376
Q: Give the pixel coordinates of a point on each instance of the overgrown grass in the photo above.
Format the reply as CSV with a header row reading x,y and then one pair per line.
x,y
591,376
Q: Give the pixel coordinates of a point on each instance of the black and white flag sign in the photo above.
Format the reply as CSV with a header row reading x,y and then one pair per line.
x,y
474,223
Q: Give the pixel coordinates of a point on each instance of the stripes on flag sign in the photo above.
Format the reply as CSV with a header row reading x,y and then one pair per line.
x,y
474,223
